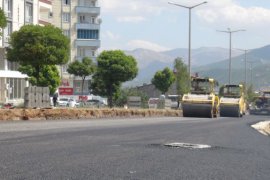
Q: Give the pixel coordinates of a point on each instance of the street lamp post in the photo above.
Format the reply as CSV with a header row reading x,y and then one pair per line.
x,y
189,44
229,31
251,72
245,51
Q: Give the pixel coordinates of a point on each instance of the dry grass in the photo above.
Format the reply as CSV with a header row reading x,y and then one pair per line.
x,y
60,114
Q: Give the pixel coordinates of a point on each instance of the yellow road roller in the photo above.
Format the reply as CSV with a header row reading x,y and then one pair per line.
x,y
201,101
232,101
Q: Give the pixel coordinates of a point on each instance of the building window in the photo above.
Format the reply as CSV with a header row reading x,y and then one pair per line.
x,y
2,61
64,68
16,88
93,3
81,52
93,20
12,66
7,32
87,34
9,28
66,33
29,13
66,17
66,2
9,8
93,53
82,19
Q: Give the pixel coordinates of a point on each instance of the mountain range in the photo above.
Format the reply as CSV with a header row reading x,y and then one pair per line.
x,y
207,61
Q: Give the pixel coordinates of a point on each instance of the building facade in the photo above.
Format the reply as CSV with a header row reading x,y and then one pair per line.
x,y
18,13
45,14
79,20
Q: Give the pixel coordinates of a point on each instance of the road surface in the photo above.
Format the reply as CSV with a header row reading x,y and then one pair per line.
x,y
134,149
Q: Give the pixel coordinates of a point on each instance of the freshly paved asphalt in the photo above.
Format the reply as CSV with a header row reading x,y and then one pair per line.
x,y
133,149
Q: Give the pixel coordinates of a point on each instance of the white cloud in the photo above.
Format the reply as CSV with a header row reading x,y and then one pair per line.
x,y
130,11
215,11
215,15
230,13
132,19
110,35
146,45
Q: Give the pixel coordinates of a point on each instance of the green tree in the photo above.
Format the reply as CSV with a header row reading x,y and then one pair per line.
x,y
181,77
221,91
82,69
3,20
114,68
250,94
163,80
38,46
48,76
121,98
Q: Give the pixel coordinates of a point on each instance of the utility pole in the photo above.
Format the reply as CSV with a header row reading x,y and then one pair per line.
x,y
189,44
229,31
245,60
251,72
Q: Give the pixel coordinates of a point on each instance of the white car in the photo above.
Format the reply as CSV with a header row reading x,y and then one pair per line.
x,y
73,103
63,102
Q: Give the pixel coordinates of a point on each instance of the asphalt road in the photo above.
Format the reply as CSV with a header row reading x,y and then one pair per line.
x,y
134,149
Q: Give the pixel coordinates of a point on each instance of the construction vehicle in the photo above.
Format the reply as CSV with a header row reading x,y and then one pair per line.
x,y
261,106
201,101
232,101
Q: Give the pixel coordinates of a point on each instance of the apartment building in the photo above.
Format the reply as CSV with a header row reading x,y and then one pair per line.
x,y
18,13
79,20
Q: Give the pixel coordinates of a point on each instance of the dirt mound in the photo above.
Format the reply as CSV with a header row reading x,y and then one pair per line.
x,y
65,113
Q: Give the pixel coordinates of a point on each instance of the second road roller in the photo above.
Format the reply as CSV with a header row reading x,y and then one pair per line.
x,y
232,101
202,100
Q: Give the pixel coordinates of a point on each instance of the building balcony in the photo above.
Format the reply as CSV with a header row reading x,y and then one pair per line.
x,y
87,42
86,25
88,10
44,22
80,58
45,1
45,12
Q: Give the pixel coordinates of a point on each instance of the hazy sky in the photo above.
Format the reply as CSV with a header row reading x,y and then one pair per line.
x,y
156,25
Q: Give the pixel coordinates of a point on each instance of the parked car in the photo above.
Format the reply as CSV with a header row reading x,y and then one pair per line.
x,y
63,102
8,106
73,103
95,103
68,102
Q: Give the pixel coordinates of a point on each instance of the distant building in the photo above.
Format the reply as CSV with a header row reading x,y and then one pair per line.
x,y
151,91
79,20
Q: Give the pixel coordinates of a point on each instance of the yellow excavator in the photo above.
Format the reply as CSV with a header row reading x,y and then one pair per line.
x,y
232,101
201,101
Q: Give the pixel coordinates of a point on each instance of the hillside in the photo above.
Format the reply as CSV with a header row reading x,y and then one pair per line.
x,y
151,61
260,60
204,55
